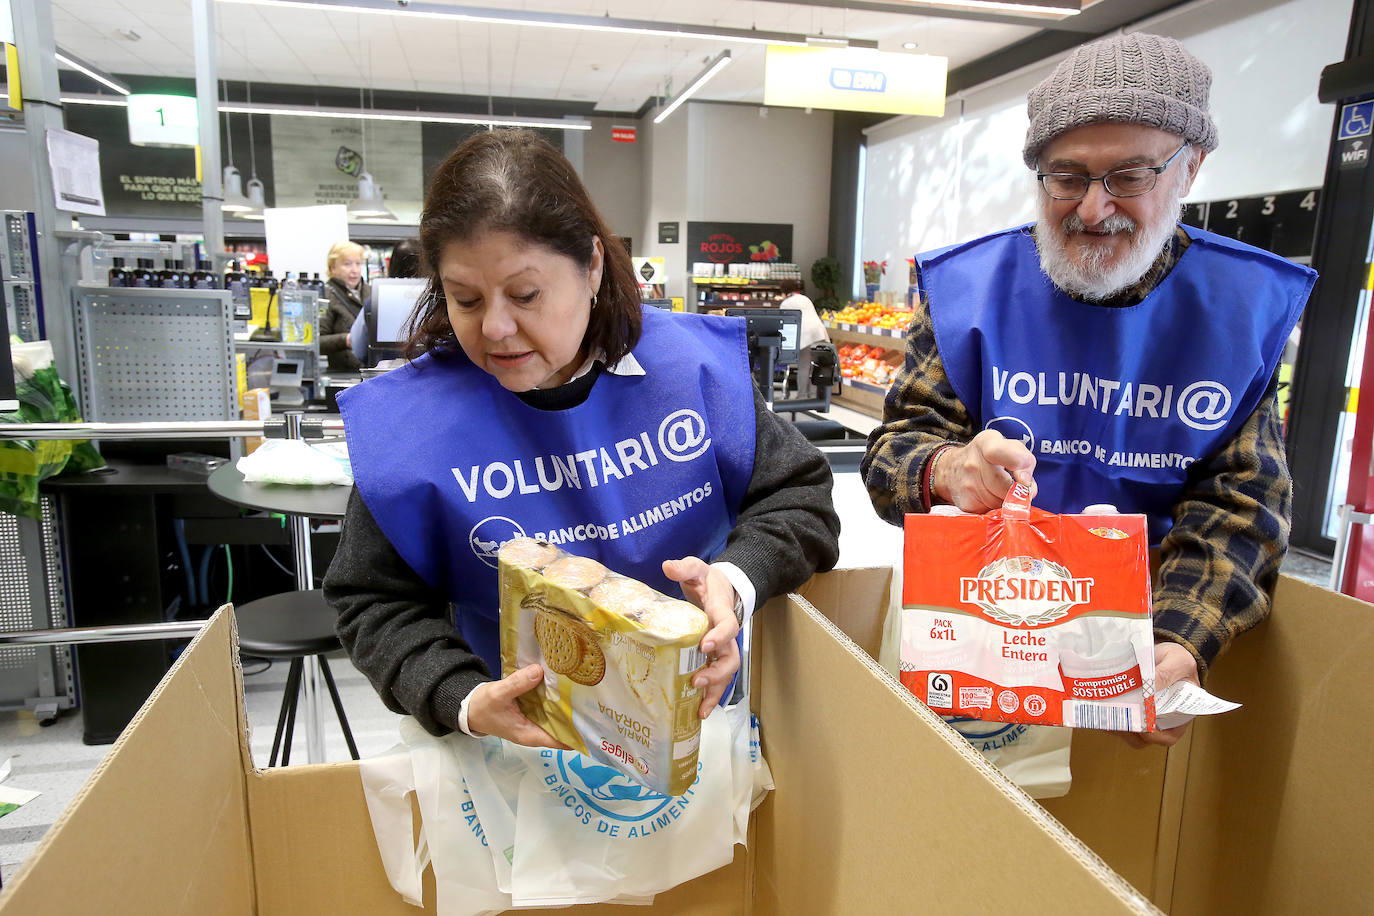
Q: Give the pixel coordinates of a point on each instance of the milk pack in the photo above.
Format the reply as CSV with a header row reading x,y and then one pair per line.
x,y
1021,615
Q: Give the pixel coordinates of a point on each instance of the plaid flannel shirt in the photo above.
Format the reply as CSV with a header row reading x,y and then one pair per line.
x,y
1220,561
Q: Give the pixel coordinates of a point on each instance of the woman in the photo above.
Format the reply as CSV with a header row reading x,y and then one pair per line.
x,y
347,293
542,397
405,259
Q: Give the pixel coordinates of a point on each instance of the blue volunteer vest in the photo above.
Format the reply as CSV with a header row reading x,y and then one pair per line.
x,y
648,468
1115,403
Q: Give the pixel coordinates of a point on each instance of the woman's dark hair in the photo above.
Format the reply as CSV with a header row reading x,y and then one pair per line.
x,y
405,259
515,181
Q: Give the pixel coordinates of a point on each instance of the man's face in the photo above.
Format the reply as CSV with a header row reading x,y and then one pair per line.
x,y
1097,246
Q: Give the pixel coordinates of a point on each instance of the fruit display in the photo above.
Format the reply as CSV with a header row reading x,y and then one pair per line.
x,y
873,314
872,365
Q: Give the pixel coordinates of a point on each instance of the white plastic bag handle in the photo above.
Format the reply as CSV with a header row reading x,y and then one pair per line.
x,y
388,782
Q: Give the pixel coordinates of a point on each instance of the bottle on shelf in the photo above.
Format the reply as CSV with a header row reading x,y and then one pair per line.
x,y
292,310
204,277
236,281
144,276
118,275
173,276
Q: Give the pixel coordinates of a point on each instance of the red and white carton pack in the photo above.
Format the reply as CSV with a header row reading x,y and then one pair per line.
x,y
1021,615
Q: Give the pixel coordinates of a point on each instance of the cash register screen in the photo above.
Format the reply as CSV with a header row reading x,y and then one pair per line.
x,y
773,322
286,372
393,300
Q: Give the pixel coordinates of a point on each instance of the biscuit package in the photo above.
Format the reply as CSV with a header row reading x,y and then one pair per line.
x,y
1024,616
618,659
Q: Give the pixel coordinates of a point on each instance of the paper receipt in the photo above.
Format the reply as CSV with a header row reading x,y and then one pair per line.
x,y
1181,700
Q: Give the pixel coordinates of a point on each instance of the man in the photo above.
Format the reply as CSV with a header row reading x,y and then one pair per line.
x,y
1111,353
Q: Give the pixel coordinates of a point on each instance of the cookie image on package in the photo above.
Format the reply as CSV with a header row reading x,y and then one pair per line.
x,y
627,597
674,619
569,647
527,553
580,573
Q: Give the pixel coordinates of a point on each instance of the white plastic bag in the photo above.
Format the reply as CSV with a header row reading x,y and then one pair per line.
x,y
465,883
753,780
292,461
508,826
586,833
1035,757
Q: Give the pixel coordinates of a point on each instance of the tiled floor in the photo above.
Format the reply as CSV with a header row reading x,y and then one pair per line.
x,y
54,761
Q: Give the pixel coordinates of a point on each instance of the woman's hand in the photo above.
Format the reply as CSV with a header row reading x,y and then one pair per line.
x,y
711,591
977,476
492,709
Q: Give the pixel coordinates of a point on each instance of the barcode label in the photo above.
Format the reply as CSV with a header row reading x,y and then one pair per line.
x,y
1109,716
690,660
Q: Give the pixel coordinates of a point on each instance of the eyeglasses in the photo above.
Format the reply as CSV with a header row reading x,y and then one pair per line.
x,y
1120,183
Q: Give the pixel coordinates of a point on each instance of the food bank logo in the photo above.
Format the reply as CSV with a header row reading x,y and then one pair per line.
x,y
1025,591
596,794
487,536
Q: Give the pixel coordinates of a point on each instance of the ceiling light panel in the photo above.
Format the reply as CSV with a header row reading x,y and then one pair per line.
x,y
547,20
311,47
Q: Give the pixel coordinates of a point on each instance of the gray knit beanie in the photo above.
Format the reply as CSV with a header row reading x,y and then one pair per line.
x,y
1134,79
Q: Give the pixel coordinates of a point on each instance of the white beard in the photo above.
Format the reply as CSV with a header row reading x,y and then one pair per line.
x,y
1089,276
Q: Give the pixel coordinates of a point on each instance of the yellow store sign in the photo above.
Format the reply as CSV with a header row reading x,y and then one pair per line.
x,y
855,79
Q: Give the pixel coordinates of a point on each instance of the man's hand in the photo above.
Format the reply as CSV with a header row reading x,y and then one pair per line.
x,y
1172,663
977,476
492,710
711,591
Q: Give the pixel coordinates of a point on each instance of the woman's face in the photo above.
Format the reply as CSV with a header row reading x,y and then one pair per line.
x,y
348,270
518,309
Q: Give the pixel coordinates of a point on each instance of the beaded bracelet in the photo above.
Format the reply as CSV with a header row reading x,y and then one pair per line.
x,y
928,480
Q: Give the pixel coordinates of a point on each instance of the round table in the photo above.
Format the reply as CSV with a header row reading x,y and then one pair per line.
x,y
301,503
326,501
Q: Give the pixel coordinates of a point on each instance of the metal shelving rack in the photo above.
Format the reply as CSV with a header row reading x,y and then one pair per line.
x,y
32,589
156,354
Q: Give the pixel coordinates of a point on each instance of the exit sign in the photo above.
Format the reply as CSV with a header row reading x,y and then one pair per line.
x,y
163,120
622,134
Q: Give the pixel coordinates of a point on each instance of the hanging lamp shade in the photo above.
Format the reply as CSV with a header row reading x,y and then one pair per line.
x,y
369,204
234,201
257,200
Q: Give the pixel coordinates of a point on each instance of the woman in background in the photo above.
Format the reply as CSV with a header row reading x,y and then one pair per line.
x,y
347,293
405,259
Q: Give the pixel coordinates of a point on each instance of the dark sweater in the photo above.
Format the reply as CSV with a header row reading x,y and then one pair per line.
x,y
399,631
342,308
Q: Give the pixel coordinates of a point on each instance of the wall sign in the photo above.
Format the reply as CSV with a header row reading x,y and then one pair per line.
x,y
737,243
855,79
1284,223
317,162
138,181
622,133
1353,137
163,120
75,163
668,233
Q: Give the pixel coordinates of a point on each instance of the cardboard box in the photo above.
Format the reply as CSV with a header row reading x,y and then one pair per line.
x,y
879,806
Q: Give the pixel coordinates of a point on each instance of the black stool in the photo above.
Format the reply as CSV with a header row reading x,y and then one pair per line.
x,y
292,625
